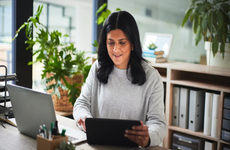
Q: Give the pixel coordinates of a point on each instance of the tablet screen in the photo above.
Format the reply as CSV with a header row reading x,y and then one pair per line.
x,y
109,131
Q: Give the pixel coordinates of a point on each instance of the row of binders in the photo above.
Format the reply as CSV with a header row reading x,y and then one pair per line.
x,y
196,110
225,130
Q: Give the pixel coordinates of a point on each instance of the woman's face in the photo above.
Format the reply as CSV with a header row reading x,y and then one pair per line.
x,y
119,48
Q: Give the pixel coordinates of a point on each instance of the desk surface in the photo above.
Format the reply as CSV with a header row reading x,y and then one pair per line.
x,y
11,138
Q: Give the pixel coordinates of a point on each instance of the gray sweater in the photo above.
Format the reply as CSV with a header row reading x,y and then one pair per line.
x,y
120,99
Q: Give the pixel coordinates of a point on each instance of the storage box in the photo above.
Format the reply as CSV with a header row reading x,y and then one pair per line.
x,y
225,135
227,102
45,144
226,124
188,141
179,147
226,114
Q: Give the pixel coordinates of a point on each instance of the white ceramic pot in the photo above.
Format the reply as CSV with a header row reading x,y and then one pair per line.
x,y
218,59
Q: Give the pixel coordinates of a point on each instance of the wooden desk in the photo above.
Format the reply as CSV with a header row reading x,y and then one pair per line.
x,y
11,138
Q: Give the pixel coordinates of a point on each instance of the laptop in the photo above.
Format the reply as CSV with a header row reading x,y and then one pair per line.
x,y
32,109
109,131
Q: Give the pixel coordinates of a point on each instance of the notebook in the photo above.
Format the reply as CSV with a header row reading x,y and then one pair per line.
x,y
109,131
32,109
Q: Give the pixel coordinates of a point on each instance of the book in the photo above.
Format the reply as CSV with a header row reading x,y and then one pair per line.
x,y
159,52
159,56
160,60
208,113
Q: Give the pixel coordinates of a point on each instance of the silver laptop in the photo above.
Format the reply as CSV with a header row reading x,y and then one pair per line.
x,y
32,109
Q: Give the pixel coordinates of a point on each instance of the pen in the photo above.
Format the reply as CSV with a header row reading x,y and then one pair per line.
x,y
45,131
50,135
63,132
41,132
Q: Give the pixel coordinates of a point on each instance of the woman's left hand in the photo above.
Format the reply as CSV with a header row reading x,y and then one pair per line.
x,y
139,135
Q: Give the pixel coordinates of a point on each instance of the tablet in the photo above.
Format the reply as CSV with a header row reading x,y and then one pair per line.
x,y
109,131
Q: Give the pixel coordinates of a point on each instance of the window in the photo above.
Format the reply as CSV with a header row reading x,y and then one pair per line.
x,y
55,17
5,35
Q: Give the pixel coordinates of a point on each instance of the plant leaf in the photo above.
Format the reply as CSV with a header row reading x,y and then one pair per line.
x,y
118,9
101,8
225,7
187,14
198,35
215,46
222,49
105,14
100,19
195,23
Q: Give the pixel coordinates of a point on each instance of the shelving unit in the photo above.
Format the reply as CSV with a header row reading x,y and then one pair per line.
x,y
195,76
3,90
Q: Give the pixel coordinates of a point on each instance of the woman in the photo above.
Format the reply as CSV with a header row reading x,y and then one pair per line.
x,y
121,85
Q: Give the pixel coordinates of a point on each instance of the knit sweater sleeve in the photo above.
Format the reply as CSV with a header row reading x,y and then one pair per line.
x,y
83,103
155,114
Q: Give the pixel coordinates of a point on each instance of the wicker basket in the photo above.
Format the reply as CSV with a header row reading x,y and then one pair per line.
x,y
63,103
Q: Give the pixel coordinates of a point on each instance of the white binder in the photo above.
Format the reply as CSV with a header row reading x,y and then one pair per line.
x,y
209,145
215,119
176,105
208,113
184,101
196,110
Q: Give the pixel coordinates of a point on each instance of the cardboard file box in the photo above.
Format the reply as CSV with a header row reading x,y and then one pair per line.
x,y
179,147
45,144
227,102
188,141
226,124
225,135
226,114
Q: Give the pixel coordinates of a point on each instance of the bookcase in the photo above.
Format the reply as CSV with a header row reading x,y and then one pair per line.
x,y
195,76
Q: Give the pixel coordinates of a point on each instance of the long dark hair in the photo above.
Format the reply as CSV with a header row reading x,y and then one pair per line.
x,y
124,21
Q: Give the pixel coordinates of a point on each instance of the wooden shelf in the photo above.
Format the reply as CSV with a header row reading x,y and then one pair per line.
x,y
204,77
198,133
203,85
224,142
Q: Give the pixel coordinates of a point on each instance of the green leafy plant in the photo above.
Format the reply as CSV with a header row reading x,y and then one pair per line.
x,y
61,59
104,13
152,46
210,20
66,146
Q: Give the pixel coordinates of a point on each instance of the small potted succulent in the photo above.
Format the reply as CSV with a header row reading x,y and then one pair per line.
x,y
152,46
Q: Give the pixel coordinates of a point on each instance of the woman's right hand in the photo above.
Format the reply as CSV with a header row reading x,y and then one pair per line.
x,y
81,123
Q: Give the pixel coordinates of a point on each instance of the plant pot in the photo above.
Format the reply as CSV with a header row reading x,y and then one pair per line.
x,y
218,59
152,49
63,103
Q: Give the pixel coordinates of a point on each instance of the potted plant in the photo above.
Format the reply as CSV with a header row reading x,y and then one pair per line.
x,y
104,13
63,63
152,46
211,20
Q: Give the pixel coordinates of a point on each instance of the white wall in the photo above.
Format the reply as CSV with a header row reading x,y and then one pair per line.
x,y
166,17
